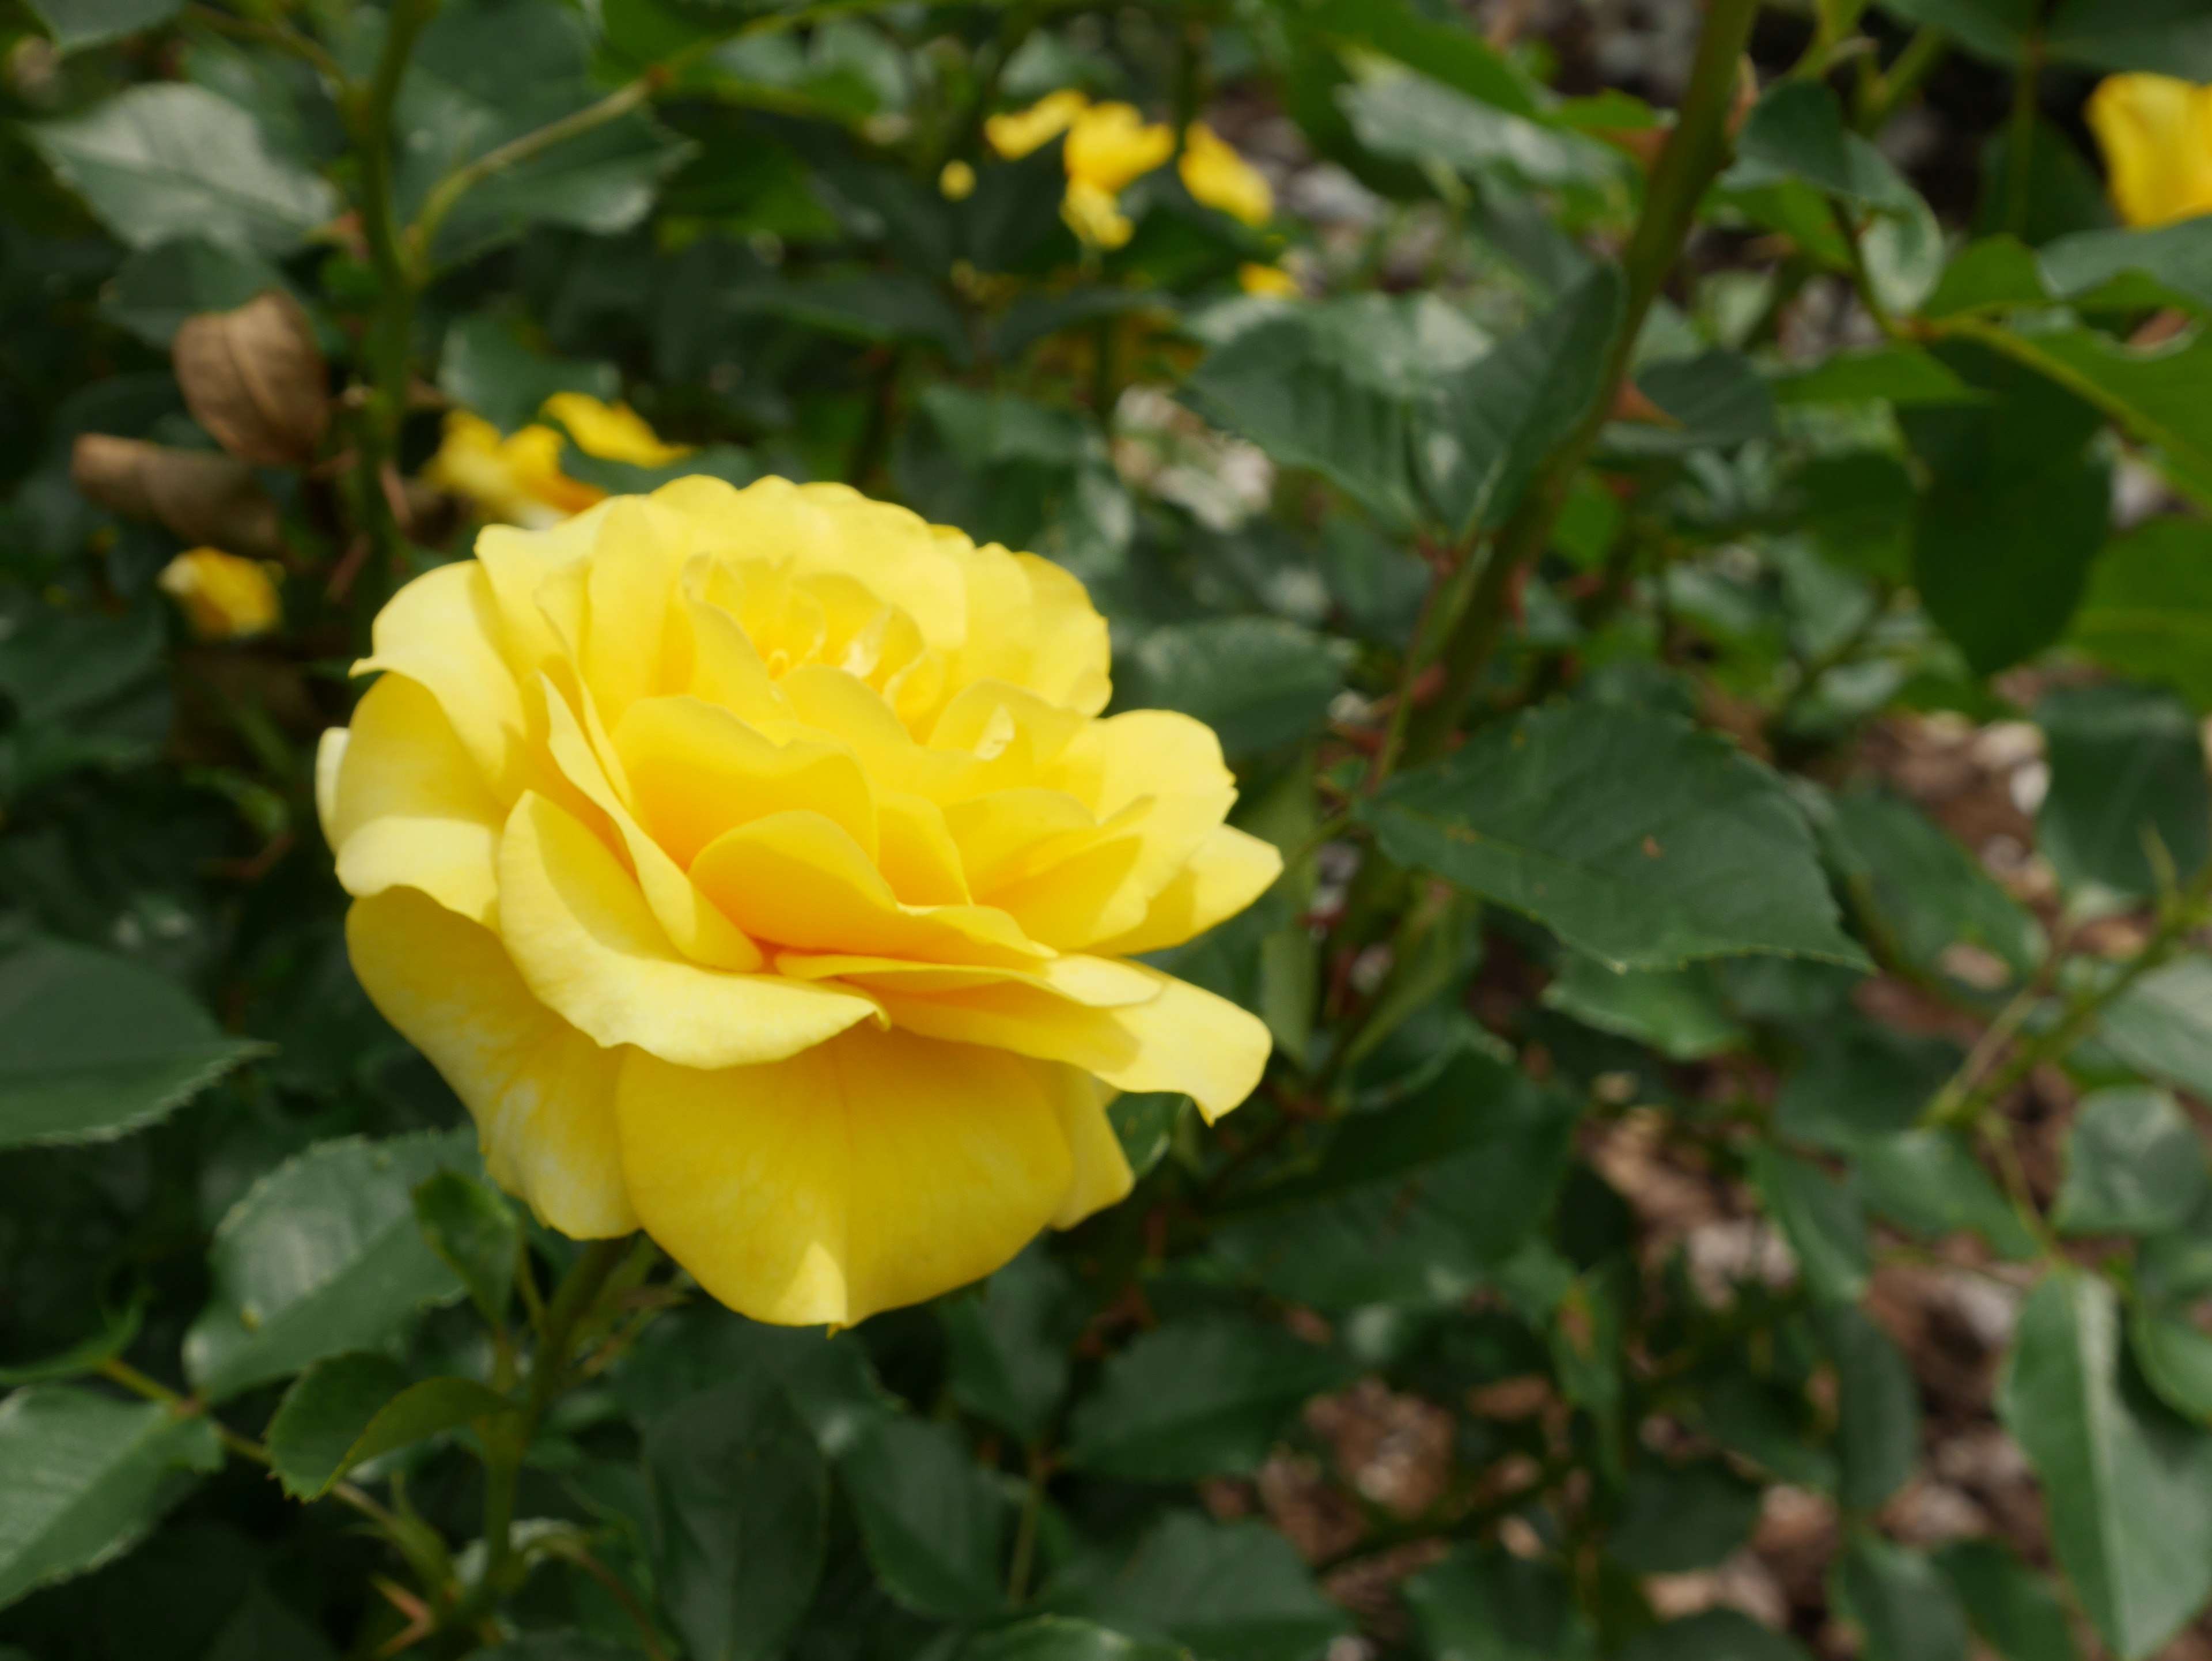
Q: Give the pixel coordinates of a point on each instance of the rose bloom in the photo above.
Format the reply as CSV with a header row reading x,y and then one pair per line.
x,y
517,478
223,597
2156,135
758,868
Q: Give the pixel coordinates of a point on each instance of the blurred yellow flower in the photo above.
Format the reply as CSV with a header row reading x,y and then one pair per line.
x,y
1110,146
1095,216
1016,136
2156,135
1215,174
756,867
223,597
1272,281
955,181
517,480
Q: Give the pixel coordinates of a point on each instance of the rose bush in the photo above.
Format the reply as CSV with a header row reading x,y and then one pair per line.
x,y
756,867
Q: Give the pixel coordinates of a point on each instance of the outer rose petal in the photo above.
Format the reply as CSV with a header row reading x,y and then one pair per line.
x,y
1229,872
442,631
541,1092
586,943
876,1170
1184,1039
408,806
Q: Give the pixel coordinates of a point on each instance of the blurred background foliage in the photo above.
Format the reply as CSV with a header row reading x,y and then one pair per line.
x,y
1715,608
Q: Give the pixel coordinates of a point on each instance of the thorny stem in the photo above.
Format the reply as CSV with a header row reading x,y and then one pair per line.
x,y
1026,1530
1695,153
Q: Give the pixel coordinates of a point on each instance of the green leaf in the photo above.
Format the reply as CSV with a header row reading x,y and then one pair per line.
x,y
2177,259
1197,1398
1900,374
1678,1012
1234,1592
1713,1635
475,1232
1453,55
94,1045
2126,765
2129,1483
1860,1082
2161,393
2175,1355
2162,1024
1485,429
169,160
485,368
82,1477
1906,1609
264,1629
1995,29
75,24
2149,610
58,666
934,1519
1797,131
1007,1344
1634,837
1057,1637
1484,1604
2013,1608
872,307
557,1646
322,1256
157,289
1674,1519
1144,1123
1260,683
348,1409
740,1502
1822,1218
1717,400
2016,511
601,183
1409,117
1765,1422
2162,37
2133,1165
1928,894
1929,1182
1877,1410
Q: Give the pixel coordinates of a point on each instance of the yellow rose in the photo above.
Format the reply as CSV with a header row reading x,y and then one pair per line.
x,y
1216,175
2156,135
1110,146
1016,136
223,597
1271,281
518,479
1095,216
758,870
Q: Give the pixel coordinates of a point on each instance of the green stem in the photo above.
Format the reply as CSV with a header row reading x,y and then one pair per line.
x,y
2020,139
1902,78
281,36
1696,152
1025,1528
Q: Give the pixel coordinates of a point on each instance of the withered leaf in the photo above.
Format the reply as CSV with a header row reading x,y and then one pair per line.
x,y
253,378
210,500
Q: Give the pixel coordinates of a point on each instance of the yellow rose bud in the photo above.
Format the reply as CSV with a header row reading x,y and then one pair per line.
x,y
2156,135
1216,175
756,867
955,181
1016,136
1271,281
518,480
1094,215
223,597
1110,146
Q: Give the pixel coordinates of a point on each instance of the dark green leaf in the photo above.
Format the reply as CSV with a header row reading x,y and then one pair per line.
x,y
83,1476
264,1629
602,182
322,1256
2162,1024
1877,1410
870,307
1900,374
1144,1123
348,1409
1234,1591
2125,766
1797,131
2177,259
79,24
2013,1609
1714,1635
486,368
1860,1082
1197,1398
1008,1344
1634,837
475,1232
557,1646
2161,393
157,289
1766,1422
2149,611
1994,29
1716,400
1487,1605
94,1045
1678,1012
2133,1165
1410,119
1929,1182
2176,1357
168,160
1260,683
1674,1519
1822,1218
1906,1609
1057,1637
2161,37
2130,1484
1929,895
934,1519
1455,56
740,1498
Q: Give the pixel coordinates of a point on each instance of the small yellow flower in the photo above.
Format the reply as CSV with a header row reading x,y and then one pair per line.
x,y
223,596
1215,174
1015,135
1110,146
956,182
1271,281
2156,135
517,480
1095,216
759,868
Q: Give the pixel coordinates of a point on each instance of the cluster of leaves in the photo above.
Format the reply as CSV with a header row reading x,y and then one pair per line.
x,y
1555,605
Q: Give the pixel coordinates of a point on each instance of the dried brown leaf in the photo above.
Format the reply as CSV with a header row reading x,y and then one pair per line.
x,y
253,378
210,500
